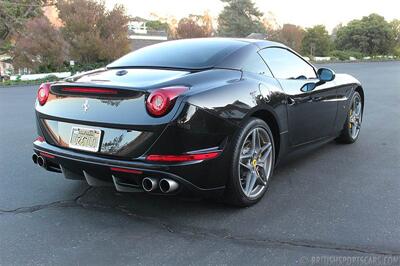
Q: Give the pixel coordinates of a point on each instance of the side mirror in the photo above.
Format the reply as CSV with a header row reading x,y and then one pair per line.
x,y
308,86
326,74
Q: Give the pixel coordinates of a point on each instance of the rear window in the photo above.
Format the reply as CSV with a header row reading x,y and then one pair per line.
x,y
188,54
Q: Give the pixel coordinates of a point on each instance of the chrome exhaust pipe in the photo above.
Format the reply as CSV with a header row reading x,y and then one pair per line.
x,y
168,185
149,184
41,161
34,158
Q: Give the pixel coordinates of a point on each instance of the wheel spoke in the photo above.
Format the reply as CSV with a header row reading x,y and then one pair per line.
x,y
266,146
258,141
358,108
246,156
266,154
248,180
260,180
246,165
255,141
353,130
250,184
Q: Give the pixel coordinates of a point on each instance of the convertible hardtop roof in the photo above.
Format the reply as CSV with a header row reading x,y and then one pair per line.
x,y
197,53
261,44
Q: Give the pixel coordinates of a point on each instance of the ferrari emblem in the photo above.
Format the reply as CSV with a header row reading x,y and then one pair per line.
x,y
85,105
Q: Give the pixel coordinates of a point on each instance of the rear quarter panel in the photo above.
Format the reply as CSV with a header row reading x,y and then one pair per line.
x,y
238,99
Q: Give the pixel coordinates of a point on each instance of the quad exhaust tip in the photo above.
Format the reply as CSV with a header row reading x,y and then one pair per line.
x,y
149,184
34,158
168,185
41,161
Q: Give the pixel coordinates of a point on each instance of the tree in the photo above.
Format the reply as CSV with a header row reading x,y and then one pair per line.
x,y
372,35
316,41
194,27
239,18
93,33
395,24
40,46
113,34
157,25
335,30
168,24
396,29
291,35
13,16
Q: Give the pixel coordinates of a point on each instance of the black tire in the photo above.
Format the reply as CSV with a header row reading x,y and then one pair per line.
x,y
346,136
234,194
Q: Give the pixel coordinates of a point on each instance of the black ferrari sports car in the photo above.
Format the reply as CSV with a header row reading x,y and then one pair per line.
x,y
210,117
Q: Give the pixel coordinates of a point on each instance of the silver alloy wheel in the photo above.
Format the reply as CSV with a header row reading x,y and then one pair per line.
x,y
255,162
355,117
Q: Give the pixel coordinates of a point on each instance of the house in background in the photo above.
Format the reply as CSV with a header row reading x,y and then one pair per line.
x,y
5,66
141,36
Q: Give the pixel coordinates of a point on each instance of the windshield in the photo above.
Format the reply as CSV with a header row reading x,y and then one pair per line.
x,y
187,54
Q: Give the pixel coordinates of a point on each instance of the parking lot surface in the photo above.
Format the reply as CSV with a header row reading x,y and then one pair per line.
x,y
334,200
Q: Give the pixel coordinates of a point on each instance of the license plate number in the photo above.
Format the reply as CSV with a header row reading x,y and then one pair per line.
x,y
87,139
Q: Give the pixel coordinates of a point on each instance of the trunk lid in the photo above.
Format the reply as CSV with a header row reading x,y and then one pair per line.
x,y
130,78
110,97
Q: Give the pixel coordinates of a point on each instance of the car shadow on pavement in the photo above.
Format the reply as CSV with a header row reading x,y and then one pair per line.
x,y
174,206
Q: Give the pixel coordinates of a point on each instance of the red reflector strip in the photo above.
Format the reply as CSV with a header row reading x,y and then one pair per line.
x,y
124,170
182,158
40,139
47,155
90,90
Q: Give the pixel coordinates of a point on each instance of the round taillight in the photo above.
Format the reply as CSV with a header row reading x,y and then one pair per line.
x,y
161,101
158,103
43,93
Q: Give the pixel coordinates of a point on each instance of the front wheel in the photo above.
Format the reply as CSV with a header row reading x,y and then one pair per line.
x,y
252,163
352,126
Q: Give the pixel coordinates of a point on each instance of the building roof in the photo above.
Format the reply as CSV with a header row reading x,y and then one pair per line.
x,y
139,19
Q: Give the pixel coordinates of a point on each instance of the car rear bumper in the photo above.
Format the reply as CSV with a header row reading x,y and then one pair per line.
x,y
193,131
127,176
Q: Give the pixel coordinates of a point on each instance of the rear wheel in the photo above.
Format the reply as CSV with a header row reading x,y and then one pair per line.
x,y
352,126
252,163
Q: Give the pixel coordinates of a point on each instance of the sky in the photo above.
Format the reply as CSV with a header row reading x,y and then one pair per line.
x,y
305,13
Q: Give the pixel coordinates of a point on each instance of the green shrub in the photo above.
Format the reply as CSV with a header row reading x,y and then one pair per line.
x,y
84,67
18,81
397,51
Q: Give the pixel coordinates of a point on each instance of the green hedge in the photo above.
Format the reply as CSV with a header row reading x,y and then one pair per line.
x,y
49,78
84,67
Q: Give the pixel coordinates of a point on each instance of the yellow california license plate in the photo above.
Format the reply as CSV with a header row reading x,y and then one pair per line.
x,y
87,139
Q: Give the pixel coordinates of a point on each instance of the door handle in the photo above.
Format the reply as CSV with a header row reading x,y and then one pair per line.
x,y
316,99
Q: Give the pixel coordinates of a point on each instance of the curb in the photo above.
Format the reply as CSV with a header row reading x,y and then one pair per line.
x,y
355,61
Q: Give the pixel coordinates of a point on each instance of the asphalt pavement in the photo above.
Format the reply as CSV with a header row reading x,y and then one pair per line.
x,y
329,203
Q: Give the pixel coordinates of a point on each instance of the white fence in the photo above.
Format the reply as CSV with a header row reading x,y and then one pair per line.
x,y
322,58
